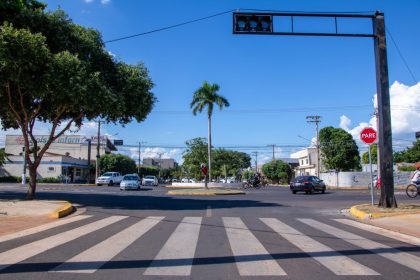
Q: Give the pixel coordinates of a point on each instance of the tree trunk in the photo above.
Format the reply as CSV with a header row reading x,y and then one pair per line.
x,y
387,199
32,183
209,149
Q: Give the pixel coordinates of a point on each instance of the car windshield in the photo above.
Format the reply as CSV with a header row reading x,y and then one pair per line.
x,y
302,178
108,174
130,178
149,177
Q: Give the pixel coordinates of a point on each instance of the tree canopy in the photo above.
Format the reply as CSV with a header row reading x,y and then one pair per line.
x,y
373,153
277,171
57,72
339,151
117,163
410,155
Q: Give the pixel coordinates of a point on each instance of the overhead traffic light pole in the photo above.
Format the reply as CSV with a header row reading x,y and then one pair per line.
x,y
263,24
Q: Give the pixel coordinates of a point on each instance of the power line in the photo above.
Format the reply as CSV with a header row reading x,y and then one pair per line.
x,y
168,27
401,55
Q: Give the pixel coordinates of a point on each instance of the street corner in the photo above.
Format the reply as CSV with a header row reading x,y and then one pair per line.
x,y
367,211
65,208
204,192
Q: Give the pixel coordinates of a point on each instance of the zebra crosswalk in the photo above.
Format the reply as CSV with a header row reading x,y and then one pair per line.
x,y
177,250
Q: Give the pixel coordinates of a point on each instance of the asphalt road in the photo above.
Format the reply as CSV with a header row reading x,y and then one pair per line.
x,y
268,233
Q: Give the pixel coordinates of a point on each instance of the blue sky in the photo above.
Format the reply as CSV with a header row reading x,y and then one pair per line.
x,y
272,82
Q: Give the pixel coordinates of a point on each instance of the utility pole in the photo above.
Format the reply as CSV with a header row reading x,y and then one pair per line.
x,y
256,160
138,168
273,145
98,146
160,162
316,120
88,159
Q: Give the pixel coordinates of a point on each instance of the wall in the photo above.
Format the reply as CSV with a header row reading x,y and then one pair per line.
x,y
359,179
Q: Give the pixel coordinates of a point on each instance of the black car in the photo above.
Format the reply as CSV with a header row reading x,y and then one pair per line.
x,y
308,184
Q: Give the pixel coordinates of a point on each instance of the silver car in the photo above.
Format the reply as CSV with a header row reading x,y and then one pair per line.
x,y
130,182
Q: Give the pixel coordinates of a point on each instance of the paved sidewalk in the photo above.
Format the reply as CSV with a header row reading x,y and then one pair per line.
x,y
405,219
16,215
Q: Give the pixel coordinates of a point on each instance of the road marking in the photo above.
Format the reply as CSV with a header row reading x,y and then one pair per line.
x,y
176,256
24,252
92,259
405,259
41,228
381,231
252,259
328,257
208,212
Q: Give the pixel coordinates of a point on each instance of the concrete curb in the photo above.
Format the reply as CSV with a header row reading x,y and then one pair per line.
x,y
362,215
64,210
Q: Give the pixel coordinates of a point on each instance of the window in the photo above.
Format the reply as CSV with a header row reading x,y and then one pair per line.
x,y
307,161
78,172
51,169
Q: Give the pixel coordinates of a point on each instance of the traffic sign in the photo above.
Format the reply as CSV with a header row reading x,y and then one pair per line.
x,y
368,135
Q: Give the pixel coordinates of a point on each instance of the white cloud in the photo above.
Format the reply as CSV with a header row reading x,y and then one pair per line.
x,y
104,2
88,1
405,112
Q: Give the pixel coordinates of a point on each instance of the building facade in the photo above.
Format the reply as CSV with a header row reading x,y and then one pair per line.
x,y
163,163
308,159
67,158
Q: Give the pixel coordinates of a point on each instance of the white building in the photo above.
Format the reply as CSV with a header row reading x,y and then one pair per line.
x,y
308,159
67,157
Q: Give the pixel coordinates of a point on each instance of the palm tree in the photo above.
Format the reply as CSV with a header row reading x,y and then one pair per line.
x,y
205,97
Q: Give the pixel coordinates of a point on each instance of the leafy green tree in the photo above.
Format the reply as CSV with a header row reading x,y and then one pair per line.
x,y
373,153
229,163
410,155
338,149
277,171
3,157
205,97
117,163
57,72
194,155
148,170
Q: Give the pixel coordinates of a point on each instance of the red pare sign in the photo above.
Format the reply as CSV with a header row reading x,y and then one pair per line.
x,y
368,135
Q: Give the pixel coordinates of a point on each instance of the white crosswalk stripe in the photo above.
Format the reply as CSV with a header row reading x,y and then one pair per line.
x,y
176,256
92,259
328,257
42,228
405,259
252,259
381,231
24,252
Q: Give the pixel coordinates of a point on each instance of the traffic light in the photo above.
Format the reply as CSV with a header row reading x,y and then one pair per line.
x,y
254,23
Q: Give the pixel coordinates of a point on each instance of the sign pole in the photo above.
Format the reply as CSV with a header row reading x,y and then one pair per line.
x,y
371,174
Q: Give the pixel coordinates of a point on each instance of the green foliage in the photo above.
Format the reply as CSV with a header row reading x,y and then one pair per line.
x,y
373,152
10,179
407,168
410,155
205,97
338,149
148,170
3,157
57,72
247,174
117,163
277,171
194,155
228,163
49,180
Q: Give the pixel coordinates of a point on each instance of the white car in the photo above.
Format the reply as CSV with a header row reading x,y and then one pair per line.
x,y
130,182
150,181
109,178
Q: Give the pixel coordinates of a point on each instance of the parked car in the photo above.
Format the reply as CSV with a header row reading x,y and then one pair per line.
x,y
150,181
109,178
185,180
308,184
130,182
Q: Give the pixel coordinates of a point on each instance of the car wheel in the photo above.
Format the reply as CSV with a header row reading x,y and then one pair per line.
x,y
111,183
99,185
312,190
323,190
294,192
